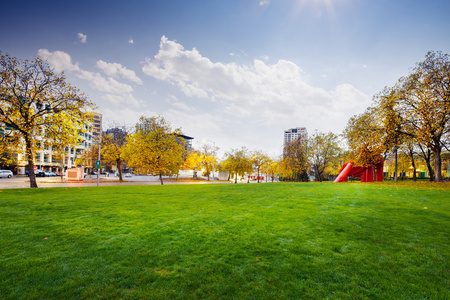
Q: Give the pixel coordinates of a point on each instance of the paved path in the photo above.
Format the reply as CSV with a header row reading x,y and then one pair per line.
x,y
18,182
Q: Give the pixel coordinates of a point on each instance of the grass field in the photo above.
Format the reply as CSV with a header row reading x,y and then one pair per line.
x,y
245,241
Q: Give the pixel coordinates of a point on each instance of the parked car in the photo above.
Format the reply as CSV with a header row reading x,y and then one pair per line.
x,y
39,173
6,174
50,174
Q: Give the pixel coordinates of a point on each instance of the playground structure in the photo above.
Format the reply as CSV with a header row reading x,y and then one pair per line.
x,y
366,173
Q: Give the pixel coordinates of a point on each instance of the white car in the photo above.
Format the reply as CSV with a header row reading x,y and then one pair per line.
x,y
6,174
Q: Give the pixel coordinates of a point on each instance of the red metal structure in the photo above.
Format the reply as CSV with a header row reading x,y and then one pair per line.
x,y
366,173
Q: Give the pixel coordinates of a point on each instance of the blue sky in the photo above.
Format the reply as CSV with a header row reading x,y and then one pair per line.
x,y
237,72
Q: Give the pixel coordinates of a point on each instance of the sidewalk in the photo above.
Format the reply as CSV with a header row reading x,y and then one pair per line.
x,y
18,182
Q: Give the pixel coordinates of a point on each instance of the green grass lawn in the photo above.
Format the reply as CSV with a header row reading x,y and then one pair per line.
x,y
225,241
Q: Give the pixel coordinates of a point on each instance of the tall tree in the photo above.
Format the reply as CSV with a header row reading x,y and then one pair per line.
x,y
155,148
260,160
295,164
40,106
364,135
426,95
113,142
193,162
87,157
409,149
7,138
324,149
208,158
237,162
390,111
271,169
427,156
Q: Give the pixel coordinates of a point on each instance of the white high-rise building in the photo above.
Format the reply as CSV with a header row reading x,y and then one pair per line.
x,y
295,134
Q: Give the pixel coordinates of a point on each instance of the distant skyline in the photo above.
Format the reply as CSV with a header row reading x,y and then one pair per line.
x,y
236,72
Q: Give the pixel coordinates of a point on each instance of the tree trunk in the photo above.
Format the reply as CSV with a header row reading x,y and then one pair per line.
x,y
258,174
161,179
427,157
430,168
413,162
29,154
437,164
396,165
118,165
235,178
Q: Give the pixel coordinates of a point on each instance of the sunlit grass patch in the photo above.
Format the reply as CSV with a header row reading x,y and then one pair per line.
x,y
226,241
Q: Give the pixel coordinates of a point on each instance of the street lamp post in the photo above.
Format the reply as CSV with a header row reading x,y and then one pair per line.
x,y
214,150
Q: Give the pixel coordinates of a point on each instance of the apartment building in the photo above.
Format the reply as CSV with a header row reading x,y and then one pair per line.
x,y
97,128
48,160
295,134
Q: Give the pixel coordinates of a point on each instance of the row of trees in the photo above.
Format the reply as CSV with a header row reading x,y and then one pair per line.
x,y
412,117
38,107
320,153
155,148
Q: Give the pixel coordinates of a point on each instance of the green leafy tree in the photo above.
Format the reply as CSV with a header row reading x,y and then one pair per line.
x,y
154,148
39,107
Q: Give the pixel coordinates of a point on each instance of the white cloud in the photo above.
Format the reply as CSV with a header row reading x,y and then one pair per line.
x,y
59,60
115,70
258,95
124,99
233,104
113,91
82,37
108,85
172,100
131,41
126,115
348,98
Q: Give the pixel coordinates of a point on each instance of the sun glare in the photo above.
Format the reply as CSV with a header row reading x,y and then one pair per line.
x,y
317,7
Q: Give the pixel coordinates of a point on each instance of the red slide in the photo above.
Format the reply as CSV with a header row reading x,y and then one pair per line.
x,y
343,173
366,173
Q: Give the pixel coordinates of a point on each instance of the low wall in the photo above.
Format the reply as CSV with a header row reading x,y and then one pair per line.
x,y
75,174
